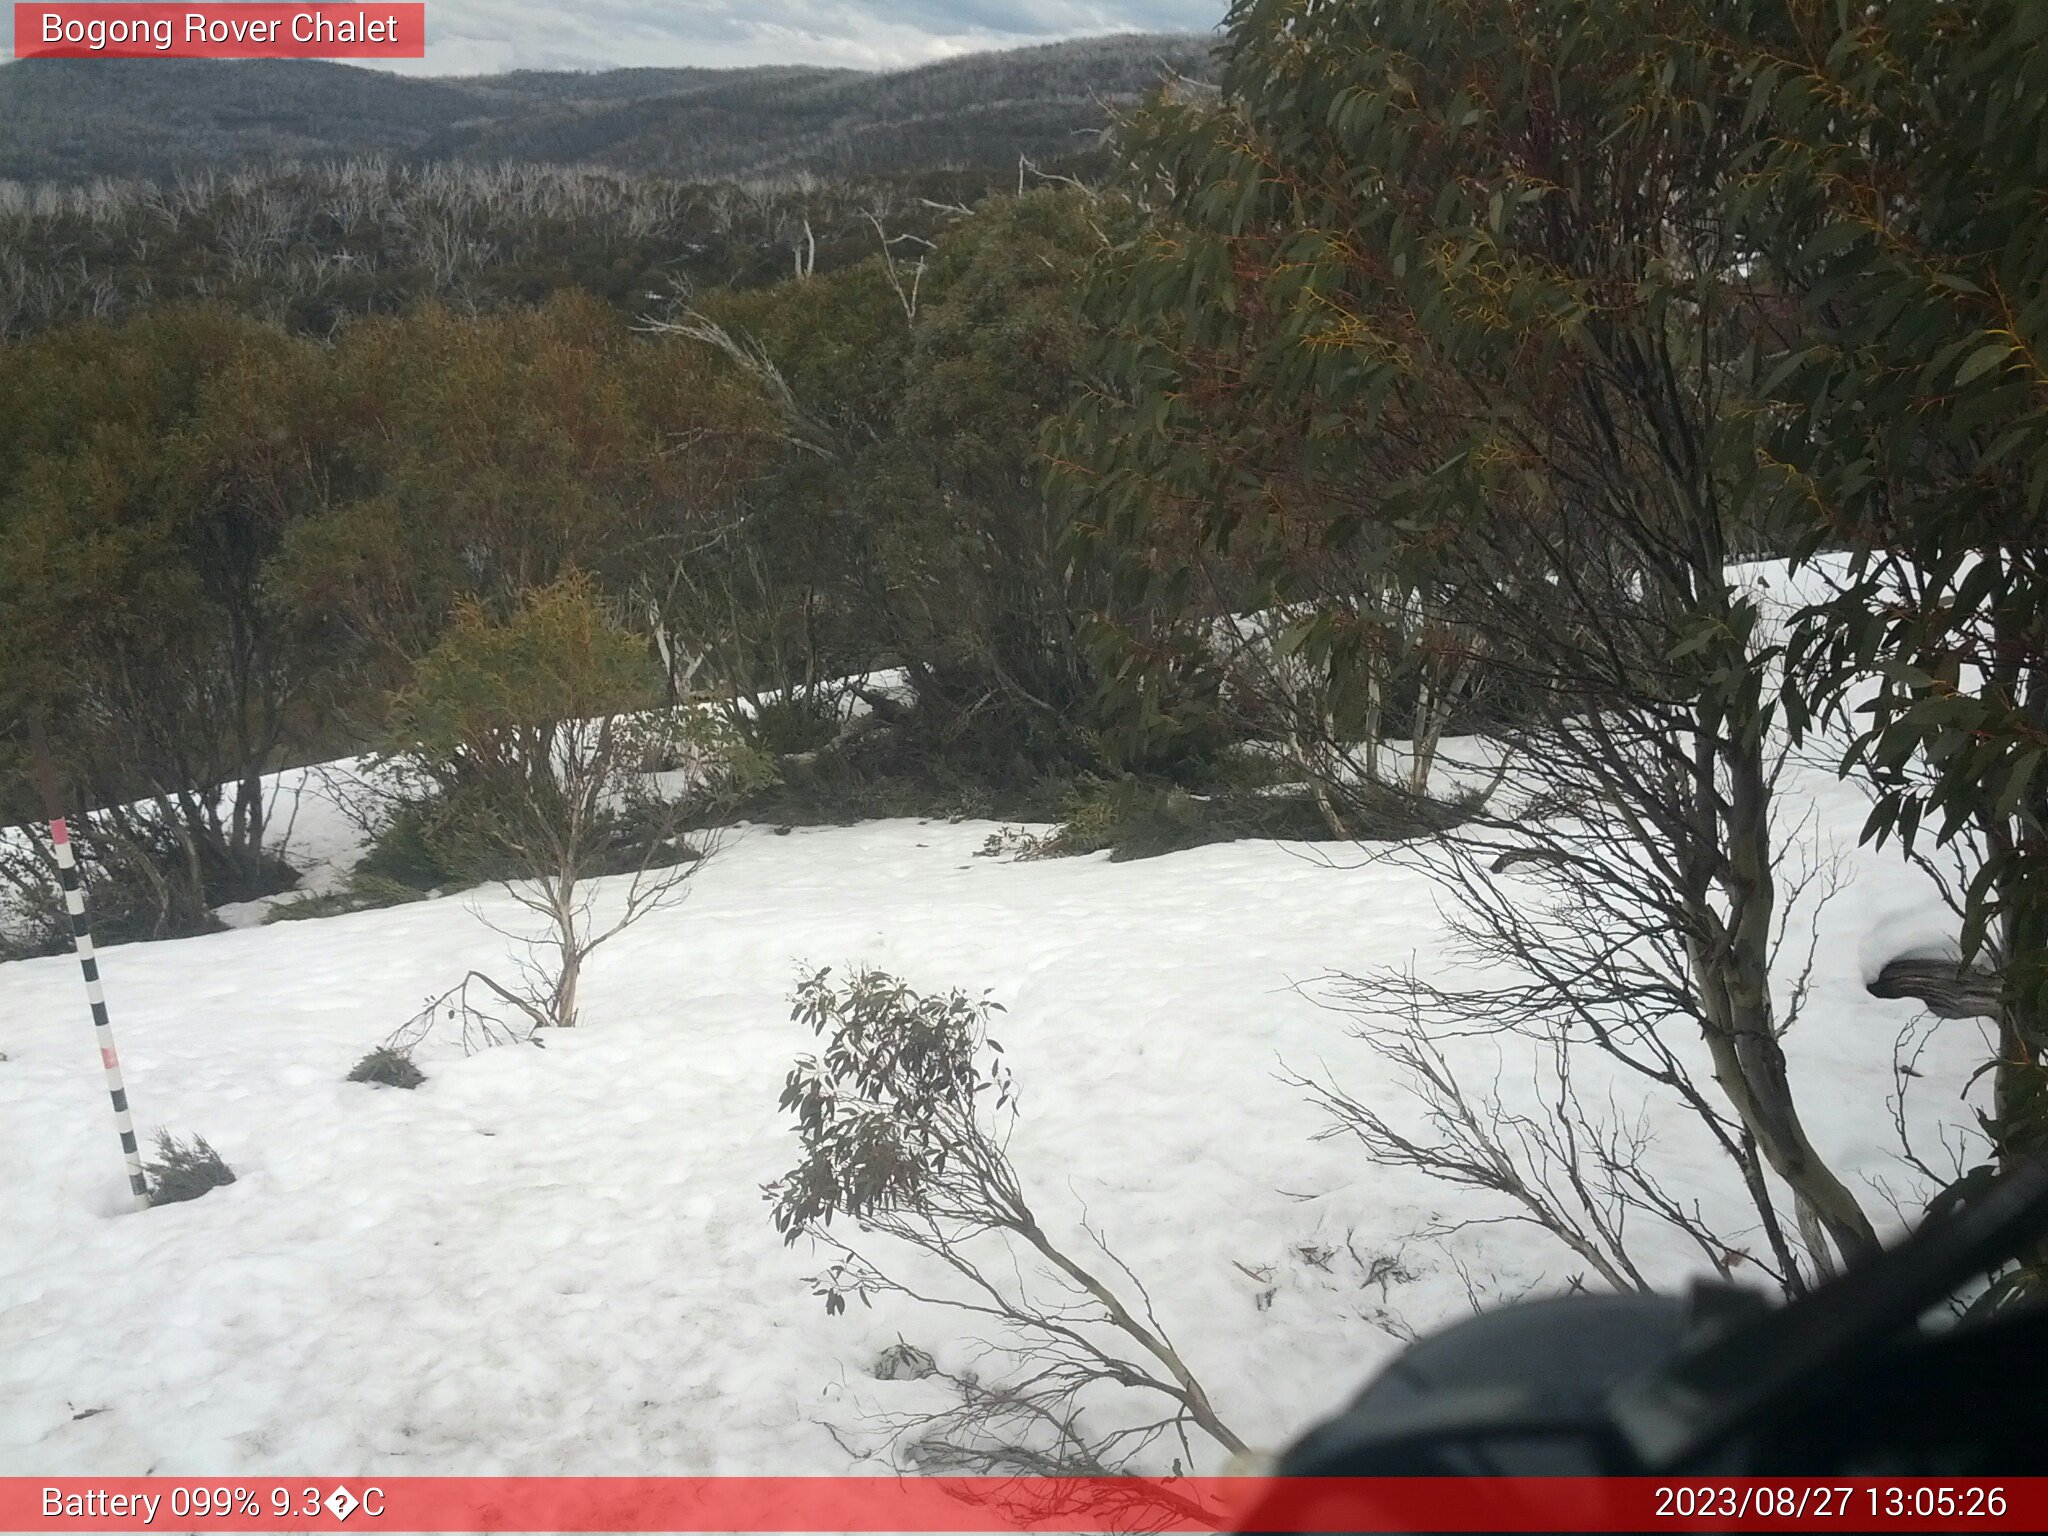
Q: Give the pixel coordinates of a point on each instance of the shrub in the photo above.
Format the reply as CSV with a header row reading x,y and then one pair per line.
x,y
1139,820
904,1119
363,893
891,772
903,1361
644,835
184,1170
402,850
454,840
32,921
788,724
388,1067
437,841
534,723
137,895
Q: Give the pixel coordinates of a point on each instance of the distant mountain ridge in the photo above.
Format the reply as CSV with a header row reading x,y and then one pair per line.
x,y
73,120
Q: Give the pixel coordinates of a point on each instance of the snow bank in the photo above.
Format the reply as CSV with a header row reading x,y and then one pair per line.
x,y
559,1260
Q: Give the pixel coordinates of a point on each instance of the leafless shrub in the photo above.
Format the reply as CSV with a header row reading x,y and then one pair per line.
x,y
1596,957
1577,1171
474,1012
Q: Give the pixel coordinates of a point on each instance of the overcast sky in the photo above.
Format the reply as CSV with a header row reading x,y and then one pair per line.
x,y
484,36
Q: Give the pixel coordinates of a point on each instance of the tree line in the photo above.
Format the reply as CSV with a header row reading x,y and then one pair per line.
x,y
312,245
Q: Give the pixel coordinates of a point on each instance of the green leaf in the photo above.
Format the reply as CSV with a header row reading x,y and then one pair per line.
x,y
1982,361
2017,781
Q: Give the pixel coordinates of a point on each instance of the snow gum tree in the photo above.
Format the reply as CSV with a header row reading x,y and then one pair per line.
x,y
910,518
539,729
1899,197
1443,298
497,453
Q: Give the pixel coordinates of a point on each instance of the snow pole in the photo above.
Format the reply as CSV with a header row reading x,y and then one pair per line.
x,y
88,962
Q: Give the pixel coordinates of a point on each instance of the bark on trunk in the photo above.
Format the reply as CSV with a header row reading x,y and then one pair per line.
x,y
1734,985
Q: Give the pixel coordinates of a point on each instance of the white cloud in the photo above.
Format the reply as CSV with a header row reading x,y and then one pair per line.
x,y
466,37
483,36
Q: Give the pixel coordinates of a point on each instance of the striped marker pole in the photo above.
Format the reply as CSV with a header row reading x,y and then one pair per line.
x,y
88,963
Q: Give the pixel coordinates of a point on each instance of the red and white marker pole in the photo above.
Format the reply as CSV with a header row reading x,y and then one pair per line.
x,y
88,962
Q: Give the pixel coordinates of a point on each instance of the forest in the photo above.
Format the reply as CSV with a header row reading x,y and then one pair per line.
x,y
1429,376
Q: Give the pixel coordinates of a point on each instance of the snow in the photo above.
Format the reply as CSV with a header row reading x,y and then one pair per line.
x,y
559,1260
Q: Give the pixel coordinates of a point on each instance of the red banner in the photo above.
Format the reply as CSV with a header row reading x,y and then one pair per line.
x,y
970,1504
216,31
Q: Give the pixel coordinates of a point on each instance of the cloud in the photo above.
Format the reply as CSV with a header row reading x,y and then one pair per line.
x,y
466,37
481,36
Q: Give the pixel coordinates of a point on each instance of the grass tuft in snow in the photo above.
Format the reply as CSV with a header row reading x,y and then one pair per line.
x,y
184,1170
387,1067
903,1361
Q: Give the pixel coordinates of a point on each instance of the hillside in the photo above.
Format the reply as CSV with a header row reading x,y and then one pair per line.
x,y
74,120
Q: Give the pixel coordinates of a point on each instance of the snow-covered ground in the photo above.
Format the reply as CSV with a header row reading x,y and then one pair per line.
x,y
560,1260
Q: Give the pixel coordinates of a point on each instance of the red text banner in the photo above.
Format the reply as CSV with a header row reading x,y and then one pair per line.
x,y
221,31
966,1504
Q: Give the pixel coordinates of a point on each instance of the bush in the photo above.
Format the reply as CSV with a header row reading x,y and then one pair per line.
x,y
451,842
903,1361
124,903
184,1170
388,1067
1245,765
435,842
642,836
904,1120
1139,820
32,924
788,724
331,904
363,893
402,850
891,771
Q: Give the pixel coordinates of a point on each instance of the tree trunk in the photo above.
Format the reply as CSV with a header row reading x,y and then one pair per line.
x,y
1734,984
